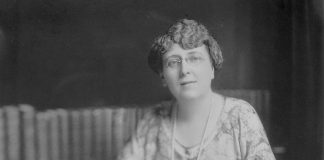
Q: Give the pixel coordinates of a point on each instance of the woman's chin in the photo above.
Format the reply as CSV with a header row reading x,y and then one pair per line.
x,y
189,95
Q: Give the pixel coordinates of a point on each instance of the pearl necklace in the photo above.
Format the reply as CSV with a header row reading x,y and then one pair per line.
x,y
204,133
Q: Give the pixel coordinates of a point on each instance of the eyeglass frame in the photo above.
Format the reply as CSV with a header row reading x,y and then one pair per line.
x,y
192,60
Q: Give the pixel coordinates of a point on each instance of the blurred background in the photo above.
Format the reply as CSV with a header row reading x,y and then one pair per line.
x,y
73,54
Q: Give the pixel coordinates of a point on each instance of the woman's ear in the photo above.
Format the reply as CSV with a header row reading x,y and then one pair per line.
x,y
163,80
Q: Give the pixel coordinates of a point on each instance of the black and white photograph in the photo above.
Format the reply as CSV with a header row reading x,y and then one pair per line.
x,y
161,80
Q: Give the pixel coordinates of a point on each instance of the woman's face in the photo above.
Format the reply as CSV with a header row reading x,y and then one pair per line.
x,y
187,73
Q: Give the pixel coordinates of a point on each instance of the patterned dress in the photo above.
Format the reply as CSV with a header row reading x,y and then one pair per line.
x,y
238,134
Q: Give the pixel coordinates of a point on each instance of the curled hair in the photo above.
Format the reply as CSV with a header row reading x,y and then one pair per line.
x,y
188,34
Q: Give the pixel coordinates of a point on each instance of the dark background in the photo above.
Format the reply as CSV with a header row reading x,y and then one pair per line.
x,y
69,53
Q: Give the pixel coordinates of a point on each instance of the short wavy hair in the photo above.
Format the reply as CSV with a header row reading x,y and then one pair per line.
x,y
188,34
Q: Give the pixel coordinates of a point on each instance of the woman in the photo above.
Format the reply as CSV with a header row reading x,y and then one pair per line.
x,y
199,123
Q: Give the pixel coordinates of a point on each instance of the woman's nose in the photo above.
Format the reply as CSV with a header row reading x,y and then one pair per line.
x,y
185,68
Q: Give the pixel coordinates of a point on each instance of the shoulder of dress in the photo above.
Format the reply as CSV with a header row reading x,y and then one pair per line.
x,y
237,105
237,108
157,112
238,113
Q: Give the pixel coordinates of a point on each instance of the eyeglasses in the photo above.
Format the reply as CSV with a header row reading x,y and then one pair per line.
x,y
175,62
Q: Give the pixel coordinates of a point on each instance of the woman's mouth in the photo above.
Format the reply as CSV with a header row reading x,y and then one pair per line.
x,y
187,83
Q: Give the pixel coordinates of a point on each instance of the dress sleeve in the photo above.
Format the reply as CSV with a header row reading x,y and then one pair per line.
x,y
254,143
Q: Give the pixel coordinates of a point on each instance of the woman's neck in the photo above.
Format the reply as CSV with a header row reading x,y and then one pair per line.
x,y
194,110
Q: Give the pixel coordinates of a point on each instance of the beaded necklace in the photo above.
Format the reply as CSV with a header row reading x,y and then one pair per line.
x,y
204,132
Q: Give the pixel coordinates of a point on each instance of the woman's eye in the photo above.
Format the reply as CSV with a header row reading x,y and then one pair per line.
x,y
173,63
195,59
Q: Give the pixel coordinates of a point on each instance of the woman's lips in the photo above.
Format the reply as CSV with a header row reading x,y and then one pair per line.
x,y
187,83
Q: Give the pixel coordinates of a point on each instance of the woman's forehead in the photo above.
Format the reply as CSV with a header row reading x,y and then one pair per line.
x,y
176,49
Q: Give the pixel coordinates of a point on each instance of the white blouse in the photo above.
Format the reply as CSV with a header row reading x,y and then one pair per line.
x,y
237,135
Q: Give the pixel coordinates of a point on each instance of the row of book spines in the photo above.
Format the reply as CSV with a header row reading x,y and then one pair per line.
x,y
10,140
65,134
80,134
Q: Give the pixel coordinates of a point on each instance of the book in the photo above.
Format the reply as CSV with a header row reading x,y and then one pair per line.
x,y
126,126
28,127
266,104
117,131
2,136
99,133
64,145
132,121
53,135
76,136
42,136
254,99
13,134
108,133
87,135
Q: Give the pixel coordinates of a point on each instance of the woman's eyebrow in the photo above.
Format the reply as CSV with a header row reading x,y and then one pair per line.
x,y
171,56
194,52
